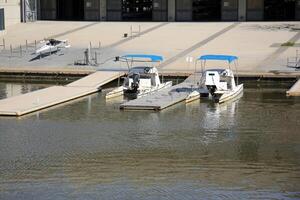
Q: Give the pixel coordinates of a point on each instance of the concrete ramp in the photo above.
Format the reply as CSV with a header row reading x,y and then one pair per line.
x,y
40,99
97,79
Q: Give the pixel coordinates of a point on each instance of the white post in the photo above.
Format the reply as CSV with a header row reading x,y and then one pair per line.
x,y
11,51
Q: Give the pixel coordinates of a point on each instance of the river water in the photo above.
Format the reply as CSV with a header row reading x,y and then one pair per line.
x,y
89,149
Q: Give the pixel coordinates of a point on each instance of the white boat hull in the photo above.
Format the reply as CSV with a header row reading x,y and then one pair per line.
x,y
147,91
46,49
120,91
195,95
221,97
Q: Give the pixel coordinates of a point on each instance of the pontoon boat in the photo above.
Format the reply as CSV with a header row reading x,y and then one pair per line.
x,y
141,80
220,82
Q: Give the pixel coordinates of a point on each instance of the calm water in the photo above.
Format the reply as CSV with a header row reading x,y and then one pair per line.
x,y
89,149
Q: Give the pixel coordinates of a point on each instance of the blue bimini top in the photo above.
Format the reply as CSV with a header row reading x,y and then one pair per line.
x,y
218,57
152,58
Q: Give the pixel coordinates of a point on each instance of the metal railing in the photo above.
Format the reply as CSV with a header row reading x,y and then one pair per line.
x,y
294,62
134,32
17,50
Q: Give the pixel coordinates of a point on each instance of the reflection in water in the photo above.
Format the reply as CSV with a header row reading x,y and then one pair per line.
x,y
13,89
89,149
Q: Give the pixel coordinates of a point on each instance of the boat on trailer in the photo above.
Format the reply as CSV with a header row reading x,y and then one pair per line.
x,y
52,45
141,80
220,82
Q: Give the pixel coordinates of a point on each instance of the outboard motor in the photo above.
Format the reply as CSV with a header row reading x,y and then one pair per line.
x,y
136,82
212,79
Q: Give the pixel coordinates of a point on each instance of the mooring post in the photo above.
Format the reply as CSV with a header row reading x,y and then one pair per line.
x,y
99,45
86,56
3,44
35,45
20,50
11,51
119,81
131,31
26,46
96,59
139,30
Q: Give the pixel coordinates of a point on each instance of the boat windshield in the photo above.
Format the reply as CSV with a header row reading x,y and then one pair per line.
x,y
53,42
142,76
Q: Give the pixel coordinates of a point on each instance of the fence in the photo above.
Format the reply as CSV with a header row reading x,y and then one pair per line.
x,y
134,32
17,50
91,55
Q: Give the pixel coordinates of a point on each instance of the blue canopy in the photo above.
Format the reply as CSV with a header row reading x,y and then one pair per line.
x,y
153,58
218,57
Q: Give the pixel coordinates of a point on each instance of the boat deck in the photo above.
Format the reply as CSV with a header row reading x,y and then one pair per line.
x,y
295,90
166,97
40,99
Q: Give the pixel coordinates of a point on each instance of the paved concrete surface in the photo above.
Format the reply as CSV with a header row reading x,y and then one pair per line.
x,y
256,43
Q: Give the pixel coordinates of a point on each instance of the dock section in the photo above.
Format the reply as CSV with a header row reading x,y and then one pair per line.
x,y
40,99
166,97
295,90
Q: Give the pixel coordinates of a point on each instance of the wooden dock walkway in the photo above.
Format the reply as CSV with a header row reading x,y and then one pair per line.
x,y
295,90
40,99
166,97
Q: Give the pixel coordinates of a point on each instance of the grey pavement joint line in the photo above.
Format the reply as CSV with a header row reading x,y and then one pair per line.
x,y
75,30
197,45
278,52
138,35
70,31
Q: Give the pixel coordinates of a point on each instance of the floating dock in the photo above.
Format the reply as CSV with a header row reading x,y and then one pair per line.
x,y
40,99
166,97
295,90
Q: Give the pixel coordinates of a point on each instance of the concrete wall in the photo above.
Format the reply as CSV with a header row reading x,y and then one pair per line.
x,y
103,10
171,10
242,10
12,11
